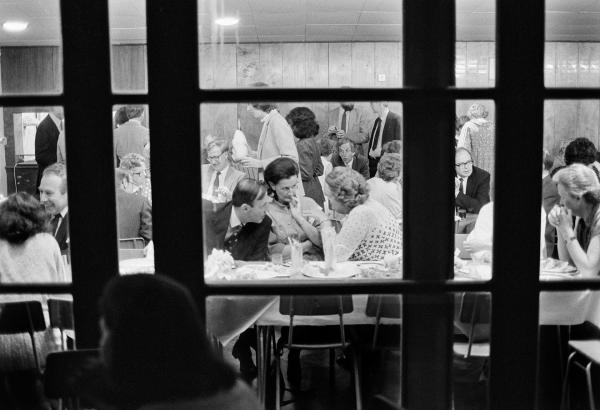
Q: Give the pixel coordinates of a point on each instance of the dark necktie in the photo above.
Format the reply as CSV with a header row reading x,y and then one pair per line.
x,y
54,223
344,120
231,240
460,186
216,185
375,134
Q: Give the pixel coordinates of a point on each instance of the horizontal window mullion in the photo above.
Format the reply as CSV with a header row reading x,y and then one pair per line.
x,y
570,285
31,100
343,94
571,93
12,288
379,287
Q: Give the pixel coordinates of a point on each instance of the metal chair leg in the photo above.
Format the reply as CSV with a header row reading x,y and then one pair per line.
x,y
277,381
355,359
588,376
564,401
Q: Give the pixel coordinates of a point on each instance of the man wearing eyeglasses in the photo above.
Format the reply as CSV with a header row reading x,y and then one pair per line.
x,y
471,184
218,177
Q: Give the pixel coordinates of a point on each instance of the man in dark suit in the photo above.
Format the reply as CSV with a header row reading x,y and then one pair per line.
x,y
134,212
46,140
241,227
347,157
387,127
472,184
550,197
54,197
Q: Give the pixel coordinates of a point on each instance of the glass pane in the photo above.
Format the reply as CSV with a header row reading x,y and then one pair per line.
x,y
131,139
567,321
572,55
311,44
30,46
570,170
33,177
315,320
127,20
474,188
245,144
475,64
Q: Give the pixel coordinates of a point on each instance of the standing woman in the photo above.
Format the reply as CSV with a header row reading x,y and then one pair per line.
x,y
276,137
303,124
477,135
579,192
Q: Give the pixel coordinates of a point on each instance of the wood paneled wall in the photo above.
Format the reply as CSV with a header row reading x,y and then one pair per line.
x,y
31,70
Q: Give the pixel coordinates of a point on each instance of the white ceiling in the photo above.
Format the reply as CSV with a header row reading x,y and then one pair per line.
x,y
300,20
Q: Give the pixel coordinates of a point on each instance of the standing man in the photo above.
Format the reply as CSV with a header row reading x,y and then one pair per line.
x,y
353,121
387,127
219,174
54,197
471,184
46,140
131,136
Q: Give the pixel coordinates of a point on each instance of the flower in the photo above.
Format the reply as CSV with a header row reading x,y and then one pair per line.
x,y
218,265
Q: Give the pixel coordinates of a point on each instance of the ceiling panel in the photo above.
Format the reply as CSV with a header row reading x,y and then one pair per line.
x,y
278,19
383,5
380,17
332,17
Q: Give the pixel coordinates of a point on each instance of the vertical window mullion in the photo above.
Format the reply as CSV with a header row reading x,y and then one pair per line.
x,y
519,138
429,50
175,141
90,174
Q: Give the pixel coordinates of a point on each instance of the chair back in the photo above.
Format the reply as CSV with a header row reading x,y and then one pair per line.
x,y
22,317
459,240
61,370
315,305
474,316
125,254
389,306
132,243
61,314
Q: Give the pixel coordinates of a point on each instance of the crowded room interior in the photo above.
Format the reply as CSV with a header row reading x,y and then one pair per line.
x,y
258,204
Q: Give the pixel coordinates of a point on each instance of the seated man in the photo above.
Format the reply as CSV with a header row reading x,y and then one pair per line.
x,y
219,175
472,184
134,212
347,157
240,226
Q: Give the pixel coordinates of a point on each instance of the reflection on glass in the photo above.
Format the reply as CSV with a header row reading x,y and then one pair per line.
x,y
131,140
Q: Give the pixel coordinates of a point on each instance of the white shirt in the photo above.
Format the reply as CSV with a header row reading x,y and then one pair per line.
x,y
464,182
349,164
211,184
56,120
234,222
376,151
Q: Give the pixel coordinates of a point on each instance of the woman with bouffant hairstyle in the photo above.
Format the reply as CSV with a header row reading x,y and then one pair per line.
x,y
386,186
370,231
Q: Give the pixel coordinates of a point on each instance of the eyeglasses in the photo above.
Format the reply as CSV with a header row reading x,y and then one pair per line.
x,y
140,173
464,164
215,157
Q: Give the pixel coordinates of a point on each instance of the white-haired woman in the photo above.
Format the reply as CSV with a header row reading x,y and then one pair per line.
x,y
370,232
135,165
477,135
579,192
385,187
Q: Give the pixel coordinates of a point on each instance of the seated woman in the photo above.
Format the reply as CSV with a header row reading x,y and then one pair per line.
x,y
28,253
370,232
385,187
579,192
292,216
155,354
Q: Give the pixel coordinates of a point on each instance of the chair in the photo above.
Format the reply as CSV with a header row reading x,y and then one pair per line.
x,y
61,367
459,240
61,317
315,306
125,254
474,322
132,243
23,317
588,353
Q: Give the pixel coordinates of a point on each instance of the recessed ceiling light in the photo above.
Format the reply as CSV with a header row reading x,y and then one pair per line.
x,y
14,26
227,21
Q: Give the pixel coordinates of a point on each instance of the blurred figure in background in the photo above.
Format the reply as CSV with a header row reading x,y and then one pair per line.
x,y
387,127
305,128
131,136
550,198
477,135
353,121
46,140
219,177
582,151
134,212
460,122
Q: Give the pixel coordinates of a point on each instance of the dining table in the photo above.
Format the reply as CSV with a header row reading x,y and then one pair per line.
x,y
228,316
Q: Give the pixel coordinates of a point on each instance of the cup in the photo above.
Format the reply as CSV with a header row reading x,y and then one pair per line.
x,y
277,259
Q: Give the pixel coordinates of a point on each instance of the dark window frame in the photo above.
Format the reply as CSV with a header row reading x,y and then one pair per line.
x,y
174,98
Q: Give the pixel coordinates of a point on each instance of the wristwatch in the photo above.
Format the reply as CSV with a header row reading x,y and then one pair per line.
x,y
572,238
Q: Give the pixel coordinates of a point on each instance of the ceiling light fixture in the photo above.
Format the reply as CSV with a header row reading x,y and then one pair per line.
x,y
14,26
227,21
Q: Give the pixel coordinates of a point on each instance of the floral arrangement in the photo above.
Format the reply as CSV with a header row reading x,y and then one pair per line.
x,y
222,195
219,265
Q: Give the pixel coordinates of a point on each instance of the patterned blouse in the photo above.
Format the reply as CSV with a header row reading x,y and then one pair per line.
x,y
369,233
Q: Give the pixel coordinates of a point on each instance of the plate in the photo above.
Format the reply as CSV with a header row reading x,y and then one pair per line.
x,y
550,265
263,271
342,270
555,276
